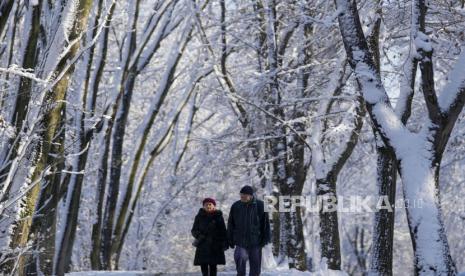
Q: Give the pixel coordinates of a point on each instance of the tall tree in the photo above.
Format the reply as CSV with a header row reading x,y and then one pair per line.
x,y
42,231
383,233
418,154
72,185
137,54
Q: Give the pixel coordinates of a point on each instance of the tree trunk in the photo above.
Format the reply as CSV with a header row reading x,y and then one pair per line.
x,y
275,230
430,246
42,230
95,254
278,146
329,227
5,9
19,235
74,185
43,226
297,175
383,232
386,171
115,171
29,62
71,212
163,91
23,95
128,79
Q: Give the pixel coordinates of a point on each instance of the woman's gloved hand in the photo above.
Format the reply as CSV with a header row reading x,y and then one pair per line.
x,y
197,241
225,246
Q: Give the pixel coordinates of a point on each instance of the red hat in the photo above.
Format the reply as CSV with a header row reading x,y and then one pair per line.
x,y
209,200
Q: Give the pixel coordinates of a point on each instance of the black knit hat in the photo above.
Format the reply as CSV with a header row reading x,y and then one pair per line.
x,y
246,190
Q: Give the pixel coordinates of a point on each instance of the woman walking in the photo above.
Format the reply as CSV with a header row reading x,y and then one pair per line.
x,y
209,231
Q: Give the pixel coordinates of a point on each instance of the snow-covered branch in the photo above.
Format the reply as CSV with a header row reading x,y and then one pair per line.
x,y
376,99
16,70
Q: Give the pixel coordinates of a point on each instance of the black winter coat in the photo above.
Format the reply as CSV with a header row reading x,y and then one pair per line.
x,y
248,224
210,230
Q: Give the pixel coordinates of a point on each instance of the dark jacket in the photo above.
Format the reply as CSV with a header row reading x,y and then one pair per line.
x,y
248,224
210,230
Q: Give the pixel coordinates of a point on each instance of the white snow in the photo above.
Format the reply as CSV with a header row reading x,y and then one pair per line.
x,y
422,42
456,82
276,272
17,70
373,91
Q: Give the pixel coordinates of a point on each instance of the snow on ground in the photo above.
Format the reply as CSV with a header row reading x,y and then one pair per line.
x,y
264,273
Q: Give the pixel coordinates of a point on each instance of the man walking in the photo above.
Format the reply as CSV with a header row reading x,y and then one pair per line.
x,y
249,231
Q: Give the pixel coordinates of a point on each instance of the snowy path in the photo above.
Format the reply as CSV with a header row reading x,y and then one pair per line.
x,y
265,273
138,273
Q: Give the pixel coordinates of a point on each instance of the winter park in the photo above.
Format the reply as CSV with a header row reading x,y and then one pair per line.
x,y
232,137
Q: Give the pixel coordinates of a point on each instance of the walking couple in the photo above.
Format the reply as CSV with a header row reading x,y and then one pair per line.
x,y
248,232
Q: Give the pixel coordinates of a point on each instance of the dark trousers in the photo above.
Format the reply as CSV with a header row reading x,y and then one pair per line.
x,y
208,267
254,255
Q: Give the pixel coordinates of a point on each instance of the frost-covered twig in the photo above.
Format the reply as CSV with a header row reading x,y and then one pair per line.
x,y
21,194
236,97
16,70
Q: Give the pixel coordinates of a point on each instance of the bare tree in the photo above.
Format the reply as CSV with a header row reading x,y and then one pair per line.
x,y
137,54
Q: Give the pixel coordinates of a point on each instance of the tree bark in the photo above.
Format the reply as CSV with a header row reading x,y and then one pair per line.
x,y
329,225
383,232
